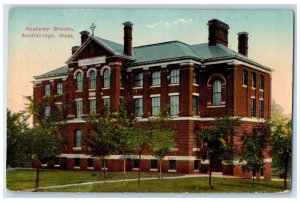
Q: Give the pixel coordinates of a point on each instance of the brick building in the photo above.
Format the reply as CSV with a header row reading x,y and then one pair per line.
x,y
200,82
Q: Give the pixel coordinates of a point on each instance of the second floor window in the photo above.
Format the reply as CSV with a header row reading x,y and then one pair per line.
x,y
195,76
92,80
156,78
78,108
155,105
79,81
174,105
261,82
59,89
262,109
245,78
78,137
106,77
47,89
122,80
195,105
138,80
106,103
174,76
93,106
217,93
253,107
47,110
138,107
253,81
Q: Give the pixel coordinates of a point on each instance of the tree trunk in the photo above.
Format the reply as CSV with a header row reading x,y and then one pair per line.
x,y
160,169
124,170
209,167
104,172
139,171
286,170
37,179
253,175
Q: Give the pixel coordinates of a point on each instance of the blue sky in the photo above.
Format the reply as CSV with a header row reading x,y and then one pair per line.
x,y
270,39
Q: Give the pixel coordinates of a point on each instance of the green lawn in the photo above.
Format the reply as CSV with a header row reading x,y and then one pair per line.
x,y
190,185
25,179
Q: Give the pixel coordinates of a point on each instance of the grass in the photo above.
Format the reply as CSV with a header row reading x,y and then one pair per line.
x,y
25,179
186,185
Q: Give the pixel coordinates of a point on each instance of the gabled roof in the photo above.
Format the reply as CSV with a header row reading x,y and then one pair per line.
x,y
61,71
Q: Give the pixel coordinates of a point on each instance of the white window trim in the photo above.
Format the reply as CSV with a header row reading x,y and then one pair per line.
x,y
77,148
155,86
58,103
153,169
196,171
92,89
173,84
89,70
105,97
137,96
76,72
196,94
155,95
216,106
106,88
253,88
78,99
77,91
104,168
261,99
92,98
244,86
172,171
103,68
195,84
261,90
253,97
196,149
173,94
138,87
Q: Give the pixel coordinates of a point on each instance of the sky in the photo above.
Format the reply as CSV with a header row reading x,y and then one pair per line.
x,y
270,40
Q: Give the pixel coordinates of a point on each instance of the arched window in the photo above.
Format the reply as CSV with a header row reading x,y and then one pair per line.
x,y
79,81
217,92
92,80
78,138
106,75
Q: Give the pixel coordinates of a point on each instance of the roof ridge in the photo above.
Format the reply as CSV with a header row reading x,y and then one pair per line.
x,y
164,42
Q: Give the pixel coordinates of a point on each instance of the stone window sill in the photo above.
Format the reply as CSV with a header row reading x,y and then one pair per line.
x,y
77,148
172,171
153,169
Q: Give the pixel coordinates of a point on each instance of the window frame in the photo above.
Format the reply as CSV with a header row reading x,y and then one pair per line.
x,y
245,78
217,92
196,104
195,77
78,138
138,108
47,111
47,90
174,76
155,105
93,80
174,108
172,165
261,109
93,105
261,82
79,81
106,78
253,107
59,88
253,80
153,162
156,78
79,108
138,79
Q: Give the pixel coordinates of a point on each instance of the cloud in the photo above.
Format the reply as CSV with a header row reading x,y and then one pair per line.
x,y
169,24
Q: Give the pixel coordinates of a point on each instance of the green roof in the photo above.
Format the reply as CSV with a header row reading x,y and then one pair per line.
x,y
57,72
167,51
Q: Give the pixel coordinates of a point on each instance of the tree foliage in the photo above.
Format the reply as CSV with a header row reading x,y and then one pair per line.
x,y
281,142
252,149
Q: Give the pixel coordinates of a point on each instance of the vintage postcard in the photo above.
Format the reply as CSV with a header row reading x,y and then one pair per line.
x,y
149,100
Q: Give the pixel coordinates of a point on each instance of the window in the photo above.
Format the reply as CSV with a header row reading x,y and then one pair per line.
x,y
106,76
196,164
79,81
154,164
138,80
155,105
138,107
47,89
136,163
195,76
195,104
106,103
172,164
122,80
93,80
59,107
47,110
261,109
174,76
196,140
90,162
93,106
79,108
245,78
78,137
59,89
156,78
174,105
217,93
261,82
77,162
253,107
253,82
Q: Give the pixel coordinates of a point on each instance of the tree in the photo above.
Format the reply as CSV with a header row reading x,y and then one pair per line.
x,y
162,140
46,140
281,142
218,142
103,141
18,141
252,148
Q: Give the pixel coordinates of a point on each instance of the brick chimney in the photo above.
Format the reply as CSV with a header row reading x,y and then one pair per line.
x,y
243,43
217,32
84,36
74,49
128,38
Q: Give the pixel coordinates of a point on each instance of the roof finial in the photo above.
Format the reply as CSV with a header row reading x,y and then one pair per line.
x,y
93,26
